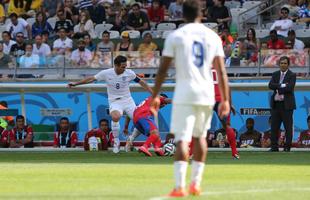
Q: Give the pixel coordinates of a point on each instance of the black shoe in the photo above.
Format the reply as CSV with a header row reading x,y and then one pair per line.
x,y
287,149
273,150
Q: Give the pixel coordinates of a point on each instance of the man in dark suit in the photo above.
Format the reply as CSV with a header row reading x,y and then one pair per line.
x,y
282,103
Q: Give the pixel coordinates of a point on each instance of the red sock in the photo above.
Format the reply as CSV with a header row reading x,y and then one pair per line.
x,y
157,142
150,140
232,140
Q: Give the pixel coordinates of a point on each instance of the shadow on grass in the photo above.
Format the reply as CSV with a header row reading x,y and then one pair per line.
x,y
214,158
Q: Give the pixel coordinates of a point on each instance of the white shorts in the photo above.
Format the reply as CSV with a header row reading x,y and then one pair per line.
x,y
189,121
126,106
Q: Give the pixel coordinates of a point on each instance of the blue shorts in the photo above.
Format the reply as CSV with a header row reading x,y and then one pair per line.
x,y
146,125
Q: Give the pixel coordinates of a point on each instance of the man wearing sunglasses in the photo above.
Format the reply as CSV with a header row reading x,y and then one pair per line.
x,y
284,24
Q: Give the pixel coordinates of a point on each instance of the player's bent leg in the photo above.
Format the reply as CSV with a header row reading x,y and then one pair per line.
x,y
130,139
231,137
115,126
156,141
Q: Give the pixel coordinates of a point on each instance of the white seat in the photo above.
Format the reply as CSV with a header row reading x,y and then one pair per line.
x,y
262,33
133,34
302,33
181,25
232,4
99,28
235,12
297,26
268,25
113,34
165,34
31,21
155,34
166,26
210,25
52,21
249,5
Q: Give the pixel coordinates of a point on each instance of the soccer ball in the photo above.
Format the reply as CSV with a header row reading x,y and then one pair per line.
x,y
169,149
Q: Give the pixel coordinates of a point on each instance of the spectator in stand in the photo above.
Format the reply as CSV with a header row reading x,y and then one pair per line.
x,y
125,44
147,45
18,49
4,134
17,25
106,45
304,12
5,59
70,11
235,50
137,19
103,135
29,60
63,23
121,20
81,57
293,8
284,24
85,4
115,8
250,138
97,12
7,42
89,44
220,14
156,12
21,135
266,139
275,42
175,10
293,42
8,119
64,137
20,7
2,15
45,36
219,139
250,47
166,3
85,26
41,49
304,137
50,7
41,25
63,44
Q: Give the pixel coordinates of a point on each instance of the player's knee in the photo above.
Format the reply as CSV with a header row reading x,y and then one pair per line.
x,y
115,116
155,132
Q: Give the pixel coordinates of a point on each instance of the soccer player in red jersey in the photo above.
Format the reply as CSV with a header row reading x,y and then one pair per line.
x,y
104,133
144,121
21,134
231,136
65,138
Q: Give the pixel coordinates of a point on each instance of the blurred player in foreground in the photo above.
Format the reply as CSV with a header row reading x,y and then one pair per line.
x,y
195,49
144,121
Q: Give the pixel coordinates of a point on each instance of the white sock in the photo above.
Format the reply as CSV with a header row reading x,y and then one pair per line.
x,y
180,168
115,126
134,135
197,171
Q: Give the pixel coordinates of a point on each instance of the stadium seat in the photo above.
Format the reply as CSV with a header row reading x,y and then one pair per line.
x,y
297,26
155,34
52,21
181,25
2,28
232,4
262,33
166,26
236,17
249,5
165,34
210,25
113,34
99,28
31,21
133,34
303,33
268,25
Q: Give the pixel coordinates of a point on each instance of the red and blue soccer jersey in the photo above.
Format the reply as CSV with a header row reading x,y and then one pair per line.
x,y
143,118
4,138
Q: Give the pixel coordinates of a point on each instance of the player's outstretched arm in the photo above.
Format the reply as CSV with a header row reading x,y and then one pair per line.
x,y
219,65
145,86
82,82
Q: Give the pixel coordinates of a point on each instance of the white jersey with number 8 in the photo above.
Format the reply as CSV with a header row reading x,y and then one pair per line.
x,y
194,48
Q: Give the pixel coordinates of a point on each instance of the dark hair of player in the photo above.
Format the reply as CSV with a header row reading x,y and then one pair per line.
x,y
191,10
120,59
163,95
20,117
64,118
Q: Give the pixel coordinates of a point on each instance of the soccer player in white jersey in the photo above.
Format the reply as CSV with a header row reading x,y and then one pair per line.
x,y
120,100
195,49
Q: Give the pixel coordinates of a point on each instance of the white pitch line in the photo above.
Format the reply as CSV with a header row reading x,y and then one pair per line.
x,y
217,193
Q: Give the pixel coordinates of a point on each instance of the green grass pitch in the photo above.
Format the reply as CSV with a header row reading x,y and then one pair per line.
x,y
103,175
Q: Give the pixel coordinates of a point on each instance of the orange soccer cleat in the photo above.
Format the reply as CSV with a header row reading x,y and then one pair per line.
x,y
144,150
194,189
178,192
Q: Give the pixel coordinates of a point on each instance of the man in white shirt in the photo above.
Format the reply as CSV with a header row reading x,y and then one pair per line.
x,y
120,100
41,49
18,25
63,44
195,49
81,56
7,42
284,24
295,43
29,60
